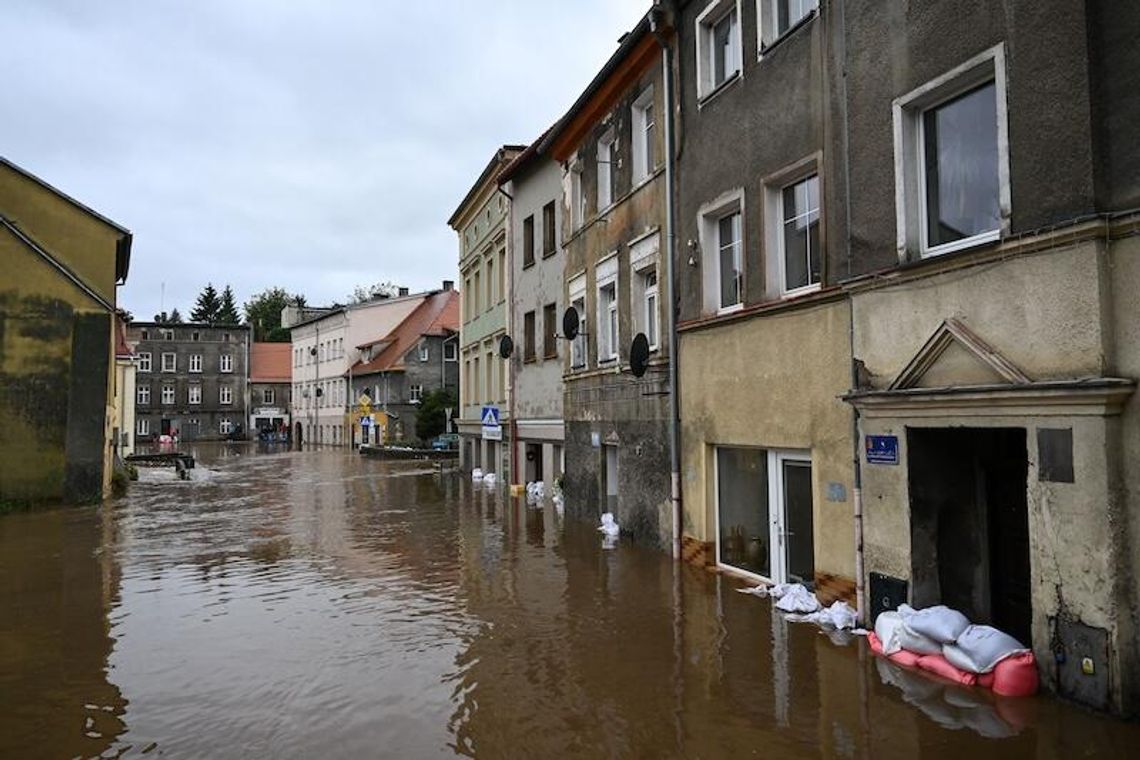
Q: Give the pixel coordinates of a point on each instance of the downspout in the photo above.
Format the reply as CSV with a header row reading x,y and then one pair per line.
x,y
656,19
510,241
856,461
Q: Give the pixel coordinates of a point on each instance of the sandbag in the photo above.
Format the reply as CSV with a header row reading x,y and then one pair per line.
x,y
886,628
938,665
905,658
980,648
798,599
986,680
916,642
1016,676
939,623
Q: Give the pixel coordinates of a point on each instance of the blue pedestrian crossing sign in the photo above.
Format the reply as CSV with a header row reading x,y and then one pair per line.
x,y
492,430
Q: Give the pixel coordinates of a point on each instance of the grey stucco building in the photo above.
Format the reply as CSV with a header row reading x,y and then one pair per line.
x,y
192,379
534,183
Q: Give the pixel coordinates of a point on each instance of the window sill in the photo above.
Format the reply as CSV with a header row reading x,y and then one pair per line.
x,y
527,264
730,309
530,360
549,356
960,245
548,254
789,32
703,99
797,292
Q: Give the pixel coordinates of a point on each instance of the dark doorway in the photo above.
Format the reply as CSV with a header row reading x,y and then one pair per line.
x,y
298,435
534,462
969,524
164,426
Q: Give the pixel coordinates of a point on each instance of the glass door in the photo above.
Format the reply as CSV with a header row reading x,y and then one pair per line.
x,y
794,521
744,533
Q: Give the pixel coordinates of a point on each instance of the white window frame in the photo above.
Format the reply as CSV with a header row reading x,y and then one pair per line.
x,y
910,184
415,393
225,394
708,218
644,111
608,314
606,163
144,361
143,426
577,196
225,363
168,397
195,363
424,352
705,25
142,395
194,394
769,34
225,426
173,362
451,355
167,334
644,258
579,347
776,265
652,308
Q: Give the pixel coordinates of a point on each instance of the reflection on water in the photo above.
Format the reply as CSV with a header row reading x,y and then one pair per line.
x,y
319,605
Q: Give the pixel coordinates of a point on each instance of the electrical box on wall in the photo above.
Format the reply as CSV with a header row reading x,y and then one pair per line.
x,y
887,593
1081,656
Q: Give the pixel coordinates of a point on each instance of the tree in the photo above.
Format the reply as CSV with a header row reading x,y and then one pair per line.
x,y
175,317
207,306
227,309
431,417
263,313
362,293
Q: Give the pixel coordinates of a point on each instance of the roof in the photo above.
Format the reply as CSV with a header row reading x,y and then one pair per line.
x,y
503,154
522,160
122,250
203,325
634,53
271,363
438,315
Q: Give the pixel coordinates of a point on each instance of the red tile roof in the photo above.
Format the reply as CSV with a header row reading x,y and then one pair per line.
x,y
271,363
438,315
122,349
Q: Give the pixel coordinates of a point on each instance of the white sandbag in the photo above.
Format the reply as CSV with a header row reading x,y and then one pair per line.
x,y
839,616
489,479
980,648
887,626
916,642
477,474
797,599
608,526
939,623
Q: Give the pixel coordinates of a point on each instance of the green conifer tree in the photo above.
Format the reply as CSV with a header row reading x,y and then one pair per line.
x,y
207,307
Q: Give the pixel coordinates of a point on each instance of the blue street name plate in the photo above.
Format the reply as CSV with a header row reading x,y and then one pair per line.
x,y
882,449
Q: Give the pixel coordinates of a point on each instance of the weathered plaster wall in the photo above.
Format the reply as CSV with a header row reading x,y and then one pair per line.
x,y
773,383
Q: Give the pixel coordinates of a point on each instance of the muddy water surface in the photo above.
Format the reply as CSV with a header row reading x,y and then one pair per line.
x,y
316,605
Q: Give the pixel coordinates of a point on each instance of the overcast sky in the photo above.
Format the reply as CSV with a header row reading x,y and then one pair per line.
x,y
310,144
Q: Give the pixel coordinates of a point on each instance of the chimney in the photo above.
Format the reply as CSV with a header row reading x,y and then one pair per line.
x,y
449,284
403,292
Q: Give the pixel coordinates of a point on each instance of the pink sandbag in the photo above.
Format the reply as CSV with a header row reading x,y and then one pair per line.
x,y
1016,676
905,658
874,643
940,666
986,680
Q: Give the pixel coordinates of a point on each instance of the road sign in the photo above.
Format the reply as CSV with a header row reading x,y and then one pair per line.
x,y
492,430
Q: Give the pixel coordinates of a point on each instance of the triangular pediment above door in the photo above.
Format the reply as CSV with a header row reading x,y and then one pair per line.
x,y
954,356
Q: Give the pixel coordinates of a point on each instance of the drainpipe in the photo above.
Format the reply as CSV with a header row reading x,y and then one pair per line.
x,y
509,319
656,24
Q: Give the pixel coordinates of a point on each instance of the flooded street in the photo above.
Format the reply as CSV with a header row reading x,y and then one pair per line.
x,y
318,605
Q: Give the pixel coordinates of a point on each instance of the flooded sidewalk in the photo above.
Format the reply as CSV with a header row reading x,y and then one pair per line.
x,y
317,604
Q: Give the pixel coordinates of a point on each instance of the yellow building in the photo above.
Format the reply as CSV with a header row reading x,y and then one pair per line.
x,y
62,261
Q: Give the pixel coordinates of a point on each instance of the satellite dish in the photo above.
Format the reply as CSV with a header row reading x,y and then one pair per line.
x,y
639,355
570,323
506,346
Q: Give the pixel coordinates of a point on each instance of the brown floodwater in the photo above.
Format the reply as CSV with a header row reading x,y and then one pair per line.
x,y
315,604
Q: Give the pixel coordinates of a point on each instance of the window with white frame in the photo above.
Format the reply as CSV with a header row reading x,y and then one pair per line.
x,y
606,173
225,394
722,252
194,394
416,393
577,197
644,136
952,161
195,362
195,336
167,334
608,332
778,17
450,352
169,362
577,293
644,300
168,394
268,396
144,361
143,427
798,240
225,426
226,363
142,394
718,45
424,351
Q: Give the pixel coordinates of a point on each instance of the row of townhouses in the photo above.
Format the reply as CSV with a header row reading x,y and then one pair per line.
x,y
838,293
359,373
66,371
